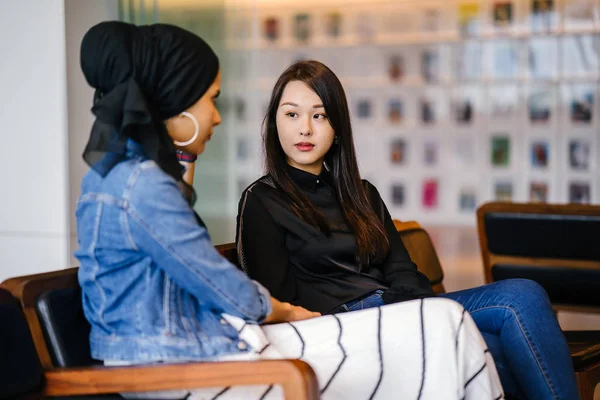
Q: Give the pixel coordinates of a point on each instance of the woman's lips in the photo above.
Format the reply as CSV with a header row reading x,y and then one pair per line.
x,y
304,146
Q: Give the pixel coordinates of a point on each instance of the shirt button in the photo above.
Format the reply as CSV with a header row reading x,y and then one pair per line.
x,y
223,321
242,345
318,181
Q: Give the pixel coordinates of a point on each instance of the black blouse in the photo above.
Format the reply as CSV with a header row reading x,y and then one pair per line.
x,y
300,264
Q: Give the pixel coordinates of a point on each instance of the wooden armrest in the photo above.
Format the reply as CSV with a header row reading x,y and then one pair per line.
x,y
404,226
297,378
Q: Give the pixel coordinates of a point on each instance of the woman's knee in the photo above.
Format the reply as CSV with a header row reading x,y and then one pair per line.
x,y
523,289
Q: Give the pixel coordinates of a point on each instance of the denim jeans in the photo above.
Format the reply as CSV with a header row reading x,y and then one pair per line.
x,y
519,326
371,300
522,333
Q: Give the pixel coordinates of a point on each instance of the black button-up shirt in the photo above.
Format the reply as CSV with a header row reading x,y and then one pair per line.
x,y
302,265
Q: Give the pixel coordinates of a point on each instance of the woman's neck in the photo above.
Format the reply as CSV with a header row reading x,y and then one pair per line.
x,y
314,169
188,175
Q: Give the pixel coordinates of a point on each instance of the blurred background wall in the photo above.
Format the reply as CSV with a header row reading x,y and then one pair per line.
x,y
454,103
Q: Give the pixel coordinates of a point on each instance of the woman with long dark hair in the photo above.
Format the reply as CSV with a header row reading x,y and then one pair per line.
x,y
318,236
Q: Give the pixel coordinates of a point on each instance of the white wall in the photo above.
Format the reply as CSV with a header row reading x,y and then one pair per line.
x,y
36,147
33,154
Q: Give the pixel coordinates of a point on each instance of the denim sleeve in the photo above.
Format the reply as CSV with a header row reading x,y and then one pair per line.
x,y
162,225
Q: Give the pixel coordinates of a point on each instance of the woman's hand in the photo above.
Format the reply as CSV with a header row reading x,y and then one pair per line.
x,y
286,312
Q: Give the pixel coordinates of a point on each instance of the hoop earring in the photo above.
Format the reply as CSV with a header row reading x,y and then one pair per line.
x,y
196,132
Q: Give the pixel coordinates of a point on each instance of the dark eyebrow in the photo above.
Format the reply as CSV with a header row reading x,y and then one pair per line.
x,y
289,103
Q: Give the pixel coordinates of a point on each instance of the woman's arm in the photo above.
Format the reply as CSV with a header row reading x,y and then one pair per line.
x,y
401,274
261,248
160,224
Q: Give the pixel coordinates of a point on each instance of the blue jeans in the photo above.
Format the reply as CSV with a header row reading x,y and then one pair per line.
x,y
519,326
371,300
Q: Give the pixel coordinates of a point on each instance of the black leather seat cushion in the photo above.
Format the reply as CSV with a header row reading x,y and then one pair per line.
x,y
20,370
65,328
67,333
564,285
543,235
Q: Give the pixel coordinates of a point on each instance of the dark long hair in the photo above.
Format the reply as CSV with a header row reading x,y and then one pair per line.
x,y
372,244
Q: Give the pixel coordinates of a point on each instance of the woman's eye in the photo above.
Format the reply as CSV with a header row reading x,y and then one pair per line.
x,y
320,116
291,114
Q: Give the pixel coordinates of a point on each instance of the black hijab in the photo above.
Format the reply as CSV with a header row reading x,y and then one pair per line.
x,y
142,76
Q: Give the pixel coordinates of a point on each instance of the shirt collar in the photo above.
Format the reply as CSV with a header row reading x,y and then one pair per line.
x,y
308,181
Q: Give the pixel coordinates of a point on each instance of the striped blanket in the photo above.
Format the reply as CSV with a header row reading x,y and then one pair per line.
x,y
421,349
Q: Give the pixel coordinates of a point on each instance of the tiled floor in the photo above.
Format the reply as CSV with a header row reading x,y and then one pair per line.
x,y
458,250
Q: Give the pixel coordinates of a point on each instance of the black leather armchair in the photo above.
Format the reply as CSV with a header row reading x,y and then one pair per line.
x,y
556,246
58,332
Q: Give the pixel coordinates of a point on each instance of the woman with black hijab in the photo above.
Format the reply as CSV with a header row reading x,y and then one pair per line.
x,y
154,289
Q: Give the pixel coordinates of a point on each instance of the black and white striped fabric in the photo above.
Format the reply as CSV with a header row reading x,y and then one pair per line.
x,y
421,349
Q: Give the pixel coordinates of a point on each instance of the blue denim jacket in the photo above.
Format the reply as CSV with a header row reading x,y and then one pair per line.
x,y
153,286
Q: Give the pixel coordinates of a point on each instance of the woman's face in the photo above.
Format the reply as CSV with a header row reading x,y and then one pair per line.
x,y
181,128
304,130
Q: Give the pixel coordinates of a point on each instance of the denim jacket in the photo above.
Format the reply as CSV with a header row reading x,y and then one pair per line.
x,y
153,286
